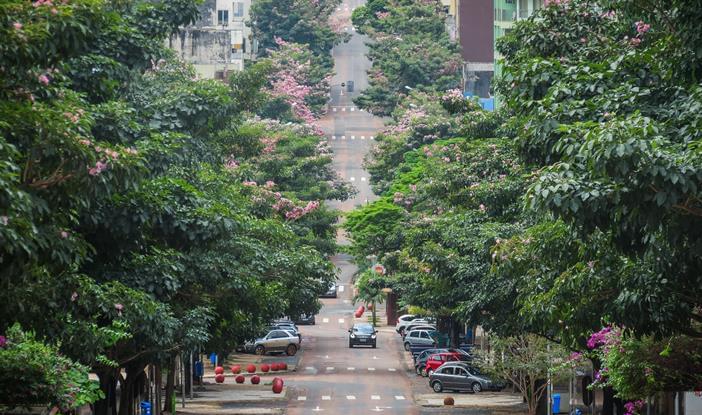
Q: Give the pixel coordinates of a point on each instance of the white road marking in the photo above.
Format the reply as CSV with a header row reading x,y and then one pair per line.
x,y
326,398
343,137
351,397
333,137
375,397
363,179
330,368
317,409
363,137
399,397
352,179
325,320
341,321
302,398
334,109
377,409
341,288
346,29
351,369
326,356
353,108
375,357
343,109
371,137
371,369
353,28
392,369
347,301
353,137
310,368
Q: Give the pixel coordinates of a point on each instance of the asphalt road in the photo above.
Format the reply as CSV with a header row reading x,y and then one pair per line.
x,y
333,378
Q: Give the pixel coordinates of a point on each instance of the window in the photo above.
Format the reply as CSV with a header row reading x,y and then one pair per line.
x,y
461,372
425,335
452,358
238,9
414,334
278,334
447,370
437,358
223,17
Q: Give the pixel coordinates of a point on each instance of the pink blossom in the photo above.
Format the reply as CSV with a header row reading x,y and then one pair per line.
x,y
86,142
97,169
43,79
382,15
3,341
119,307
642,28
54,11
269,184
17,25
64,234
413,187
379,269
74,296
482,208
250,184
635,41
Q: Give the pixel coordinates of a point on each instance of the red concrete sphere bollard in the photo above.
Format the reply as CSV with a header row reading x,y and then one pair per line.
x,y
279,380
255,380
448,401
265,368
275,367
219,370
251,368
283,366
219,378
359,311
236,369
277,387
240,379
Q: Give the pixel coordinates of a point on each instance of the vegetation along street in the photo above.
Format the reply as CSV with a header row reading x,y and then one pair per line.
x,y
299,206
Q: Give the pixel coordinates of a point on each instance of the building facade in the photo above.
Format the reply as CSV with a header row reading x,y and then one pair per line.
x,y
219,42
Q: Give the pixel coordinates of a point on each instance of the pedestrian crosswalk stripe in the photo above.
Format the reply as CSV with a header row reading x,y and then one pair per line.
x,y
326,398
353,108
375,397
371,369
352,179
325,320
302,398
350,397
399,397
330,368
392,369
334,109
341,320
343,137
343,109
353,137
333,137
351,369
363,137
363,179
310,368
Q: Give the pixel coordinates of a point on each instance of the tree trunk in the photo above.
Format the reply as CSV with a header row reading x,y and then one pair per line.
x,y
157,389
373,306
170,383
106,406
126,401
607,401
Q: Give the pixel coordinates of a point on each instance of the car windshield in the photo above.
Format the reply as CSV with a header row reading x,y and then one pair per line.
x,y
363,329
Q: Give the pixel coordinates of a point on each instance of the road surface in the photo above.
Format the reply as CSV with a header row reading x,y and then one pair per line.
x,y
333,378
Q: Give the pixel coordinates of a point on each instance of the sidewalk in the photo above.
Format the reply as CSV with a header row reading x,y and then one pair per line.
x,y
487,402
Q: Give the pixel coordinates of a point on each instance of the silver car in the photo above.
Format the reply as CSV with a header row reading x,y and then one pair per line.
x,y
420,338
277,341
462,377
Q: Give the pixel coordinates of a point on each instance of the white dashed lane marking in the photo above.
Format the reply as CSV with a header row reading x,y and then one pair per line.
x,y
325,320
352,179
363,179
392,369
375,397
341,288
302,398
351,397
399,397
351,369
326,398
341,321
371,369
330,368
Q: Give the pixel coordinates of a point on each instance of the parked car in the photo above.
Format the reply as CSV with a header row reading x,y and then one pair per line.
x,y
418,327
331,292
306,319
435,360
420,338
363,334
421,359
403,320
460,376
292,328
402,328
275,341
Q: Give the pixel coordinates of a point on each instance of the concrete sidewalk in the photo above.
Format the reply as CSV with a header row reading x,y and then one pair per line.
x,y
486,402
233,399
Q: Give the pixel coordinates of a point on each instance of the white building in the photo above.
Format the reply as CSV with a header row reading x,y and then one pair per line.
x,y
219,42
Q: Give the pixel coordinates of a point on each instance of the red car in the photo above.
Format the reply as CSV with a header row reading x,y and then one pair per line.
x,y
438,359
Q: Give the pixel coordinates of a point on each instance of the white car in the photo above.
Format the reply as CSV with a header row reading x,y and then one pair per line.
x,y
401,328
404,320
275,341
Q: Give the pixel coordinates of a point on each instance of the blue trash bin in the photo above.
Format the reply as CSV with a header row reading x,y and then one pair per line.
x,y
145,408
556,403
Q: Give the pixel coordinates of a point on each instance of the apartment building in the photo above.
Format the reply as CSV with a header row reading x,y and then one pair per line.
x,y
219,42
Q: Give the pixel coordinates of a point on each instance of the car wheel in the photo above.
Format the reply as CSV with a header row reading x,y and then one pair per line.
x,y
260,350
423,372
476,387
407,347
291,350
437,386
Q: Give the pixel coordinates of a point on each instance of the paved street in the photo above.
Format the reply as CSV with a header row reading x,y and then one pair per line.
x,y
332,377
